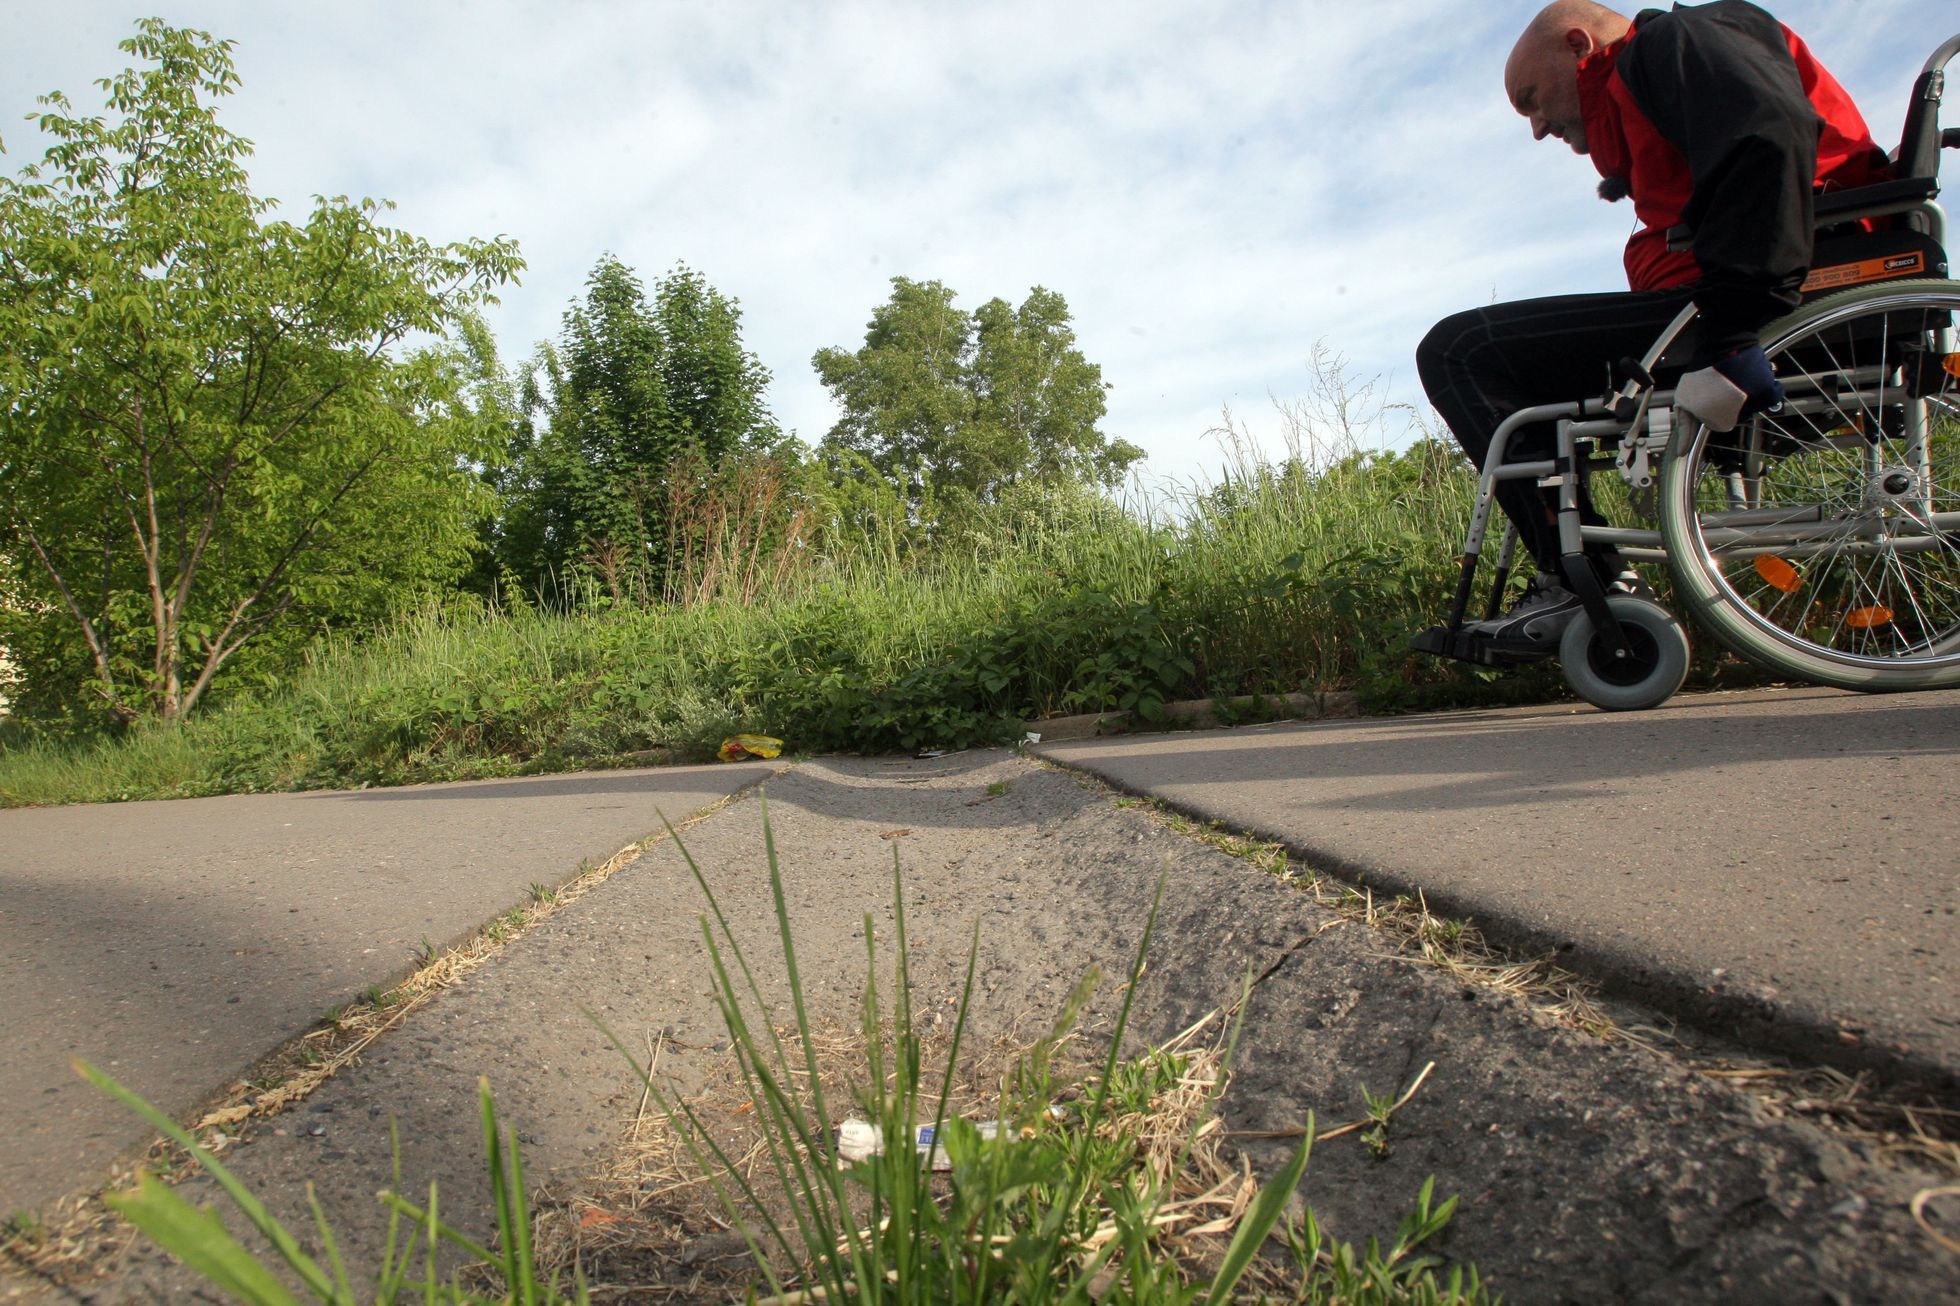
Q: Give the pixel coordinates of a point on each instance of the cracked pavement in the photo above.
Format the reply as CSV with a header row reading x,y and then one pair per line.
x,y
1588,1169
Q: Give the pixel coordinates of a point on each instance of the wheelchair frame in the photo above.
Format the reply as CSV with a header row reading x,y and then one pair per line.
x,y
1641,420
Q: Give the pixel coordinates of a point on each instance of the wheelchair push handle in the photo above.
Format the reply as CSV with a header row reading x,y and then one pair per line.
x,y
1942,56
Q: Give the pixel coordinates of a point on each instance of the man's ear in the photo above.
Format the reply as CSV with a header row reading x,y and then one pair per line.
x,y
1580,42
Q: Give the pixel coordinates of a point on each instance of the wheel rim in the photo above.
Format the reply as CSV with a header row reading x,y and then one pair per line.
x,y
1860,482
1635,668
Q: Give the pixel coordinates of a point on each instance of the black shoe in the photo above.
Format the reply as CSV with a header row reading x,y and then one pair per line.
x,y
1540,617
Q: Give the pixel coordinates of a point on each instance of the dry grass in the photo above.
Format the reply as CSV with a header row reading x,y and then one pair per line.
x,y
651,1227
76,1240
1411,931
1898,1128
1893,1126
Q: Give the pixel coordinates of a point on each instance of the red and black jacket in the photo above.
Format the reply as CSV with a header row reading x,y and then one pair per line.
x,y
1718,116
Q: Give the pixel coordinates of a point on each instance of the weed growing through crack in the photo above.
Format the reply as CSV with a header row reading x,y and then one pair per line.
x,y
1093,1203
1375,1136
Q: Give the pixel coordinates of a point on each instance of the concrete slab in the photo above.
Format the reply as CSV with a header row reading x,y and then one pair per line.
x,y
177,942
1779,866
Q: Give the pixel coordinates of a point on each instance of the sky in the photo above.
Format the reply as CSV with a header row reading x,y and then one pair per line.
x,y
1218,190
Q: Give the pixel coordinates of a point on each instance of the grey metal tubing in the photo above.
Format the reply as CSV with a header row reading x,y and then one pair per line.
x,y
1944,55
1500,440
1869,374
1812,405
1525,471
1909,529
1622,535
1570,541
1785,516
1841,547
1496,470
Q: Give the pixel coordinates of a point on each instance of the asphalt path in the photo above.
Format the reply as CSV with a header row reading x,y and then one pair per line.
x,y
1779,866
1587,1169
176,943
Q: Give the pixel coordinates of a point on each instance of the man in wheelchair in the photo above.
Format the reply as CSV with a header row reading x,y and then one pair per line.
x,y
1714,119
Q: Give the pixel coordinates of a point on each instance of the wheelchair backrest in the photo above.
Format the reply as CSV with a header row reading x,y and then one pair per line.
x,y
1919,144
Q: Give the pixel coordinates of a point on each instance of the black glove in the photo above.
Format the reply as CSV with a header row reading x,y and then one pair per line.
x,y
1734,389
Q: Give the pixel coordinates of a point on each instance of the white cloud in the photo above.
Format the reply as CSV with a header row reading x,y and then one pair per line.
x,y
1214,188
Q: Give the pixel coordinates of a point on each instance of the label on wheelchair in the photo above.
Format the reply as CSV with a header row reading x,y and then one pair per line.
x,y
1871,269
1857,260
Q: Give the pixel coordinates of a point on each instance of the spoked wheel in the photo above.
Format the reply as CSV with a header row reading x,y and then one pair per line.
x,y
1654,667
1824,542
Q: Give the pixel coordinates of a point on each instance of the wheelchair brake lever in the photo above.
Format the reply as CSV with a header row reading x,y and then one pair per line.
x,y
1625,401
1635,456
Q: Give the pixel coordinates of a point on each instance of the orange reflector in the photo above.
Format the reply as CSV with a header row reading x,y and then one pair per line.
x,y
1866,618
1952,364
1778,574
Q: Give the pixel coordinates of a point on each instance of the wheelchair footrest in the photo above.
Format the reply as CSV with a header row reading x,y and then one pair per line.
x,y
1469,646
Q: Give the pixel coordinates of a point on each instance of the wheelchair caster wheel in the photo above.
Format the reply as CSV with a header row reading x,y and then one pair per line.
x,y
1657,665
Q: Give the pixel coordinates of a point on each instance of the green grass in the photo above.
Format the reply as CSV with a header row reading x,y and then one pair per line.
x,y
1309,575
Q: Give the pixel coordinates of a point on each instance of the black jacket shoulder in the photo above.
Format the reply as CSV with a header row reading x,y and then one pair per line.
x,y
1718,82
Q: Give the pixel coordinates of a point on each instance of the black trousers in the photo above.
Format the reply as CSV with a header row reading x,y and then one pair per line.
x,y
1482,365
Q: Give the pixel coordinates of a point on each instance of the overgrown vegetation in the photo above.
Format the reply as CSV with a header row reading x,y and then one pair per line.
x,y
1308,575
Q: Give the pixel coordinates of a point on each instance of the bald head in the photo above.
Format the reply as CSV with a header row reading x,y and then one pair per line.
x,y
1541,78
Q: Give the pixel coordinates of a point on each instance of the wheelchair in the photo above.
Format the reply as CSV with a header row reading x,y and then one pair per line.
x,y
1820,540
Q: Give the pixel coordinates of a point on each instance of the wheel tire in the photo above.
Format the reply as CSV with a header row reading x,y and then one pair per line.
x,y
1646,679
1862,611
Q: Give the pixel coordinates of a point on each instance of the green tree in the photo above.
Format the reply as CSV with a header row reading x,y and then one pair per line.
x,y
974,401
631,387
209,436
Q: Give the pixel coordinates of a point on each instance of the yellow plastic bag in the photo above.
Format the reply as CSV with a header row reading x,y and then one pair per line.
x,y
738,747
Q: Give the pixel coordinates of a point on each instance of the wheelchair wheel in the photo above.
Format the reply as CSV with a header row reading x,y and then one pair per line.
x,y
1824,541
1657,664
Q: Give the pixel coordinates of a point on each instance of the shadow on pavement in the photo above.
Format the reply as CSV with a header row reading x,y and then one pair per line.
x,y
692,780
